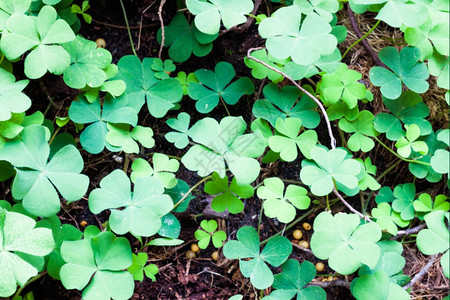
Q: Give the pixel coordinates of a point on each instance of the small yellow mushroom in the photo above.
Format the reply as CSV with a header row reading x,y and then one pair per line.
x,y
304,244
215,255
190,254
320,267
101,43
195,248
297,234
306,226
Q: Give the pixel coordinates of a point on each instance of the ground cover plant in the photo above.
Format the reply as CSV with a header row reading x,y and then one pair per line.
x,y
224,149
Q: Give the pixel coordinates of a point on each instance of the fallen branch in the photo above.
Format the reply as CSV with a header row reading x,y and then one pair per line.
x,y
422,272
409,231
163,37
327,284
350,207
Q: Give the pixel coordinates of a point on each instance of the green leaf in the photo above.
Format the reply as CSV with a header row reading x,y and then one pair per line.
x,y
36,179
96,265
208,14
185,80
406,69
344,242
93,138
222,142
170,226
227,197
139,212
387,218
259,71
409,143
184,39
12,99
87,64
143,86
367,181
424,204
203,237
17,233
305,39
324,8
282,103
247,245
397,13
181,124
163,169
342,84
293,280
363,129
286,140
404,198
440,161
177,193
409,109
40,35
162,69
331,166
213,86
385,195
377,287
280,204
119,135
138,267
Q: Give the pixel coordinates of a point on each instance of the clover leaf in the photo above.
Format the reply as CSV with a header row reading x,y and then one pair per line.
x,y
93,137
22,247
387,218
344,242
139,267
119,135
286,140
280,204
162,69
222,142
436,238
363,129
377,286
36,179
184,39
95,265
293,280
397,13
213,86
163,169
409,142
282,103
185,80
404,198
260,71
247,245
305,39
177,193
367,181
227,197
42,33
424,204
12,99
208,14
439,65
406,69
331,167
409,109
140,212
324,8
209,232
343,84
87,63
181,124
143,86
441,159
11,128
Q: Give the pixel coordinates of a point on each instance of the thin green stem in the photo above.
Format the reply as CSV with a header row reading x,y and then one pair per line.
x,y
126,162
128,27
388,170
225,105
361,38
20,289
260,218
328,203
190,190
404,159
53,136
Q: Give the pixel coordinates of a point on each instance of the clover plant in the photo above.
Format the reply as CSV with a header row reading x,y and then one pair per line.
x,y
209,233
12,99
163,169
362,129
125,138
180,137
139,267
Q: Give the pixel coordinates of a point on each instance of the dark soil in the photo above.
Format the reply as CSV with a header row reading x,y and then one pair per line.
x,y
179,277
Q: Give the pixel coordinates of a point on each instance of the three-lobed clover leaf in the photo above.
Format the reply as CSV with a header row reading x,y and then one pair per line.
x,y
436,238
280,204
213,86
224,141
404,198
39,34
36,179
181,124
440,162
120,135
210,233
260,71
87,64
282,103
287,139
22,248
324,8
93,137
406,69
162,69
387,218
331,167
227,197
290,34
208,14
96,265
163,169
143,86
185,80
184,39
293,282
409,142
344,242
138,212
247,245
424,204
342,84
139,267
363,129
367,181
12,99
377,286
408,109
399,13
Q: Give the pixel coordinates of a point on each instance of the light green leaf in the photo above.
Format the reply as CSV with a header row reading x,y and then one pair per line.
x,y
404,198
163,169
181,124
363,128
119,135
12,99
409,143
